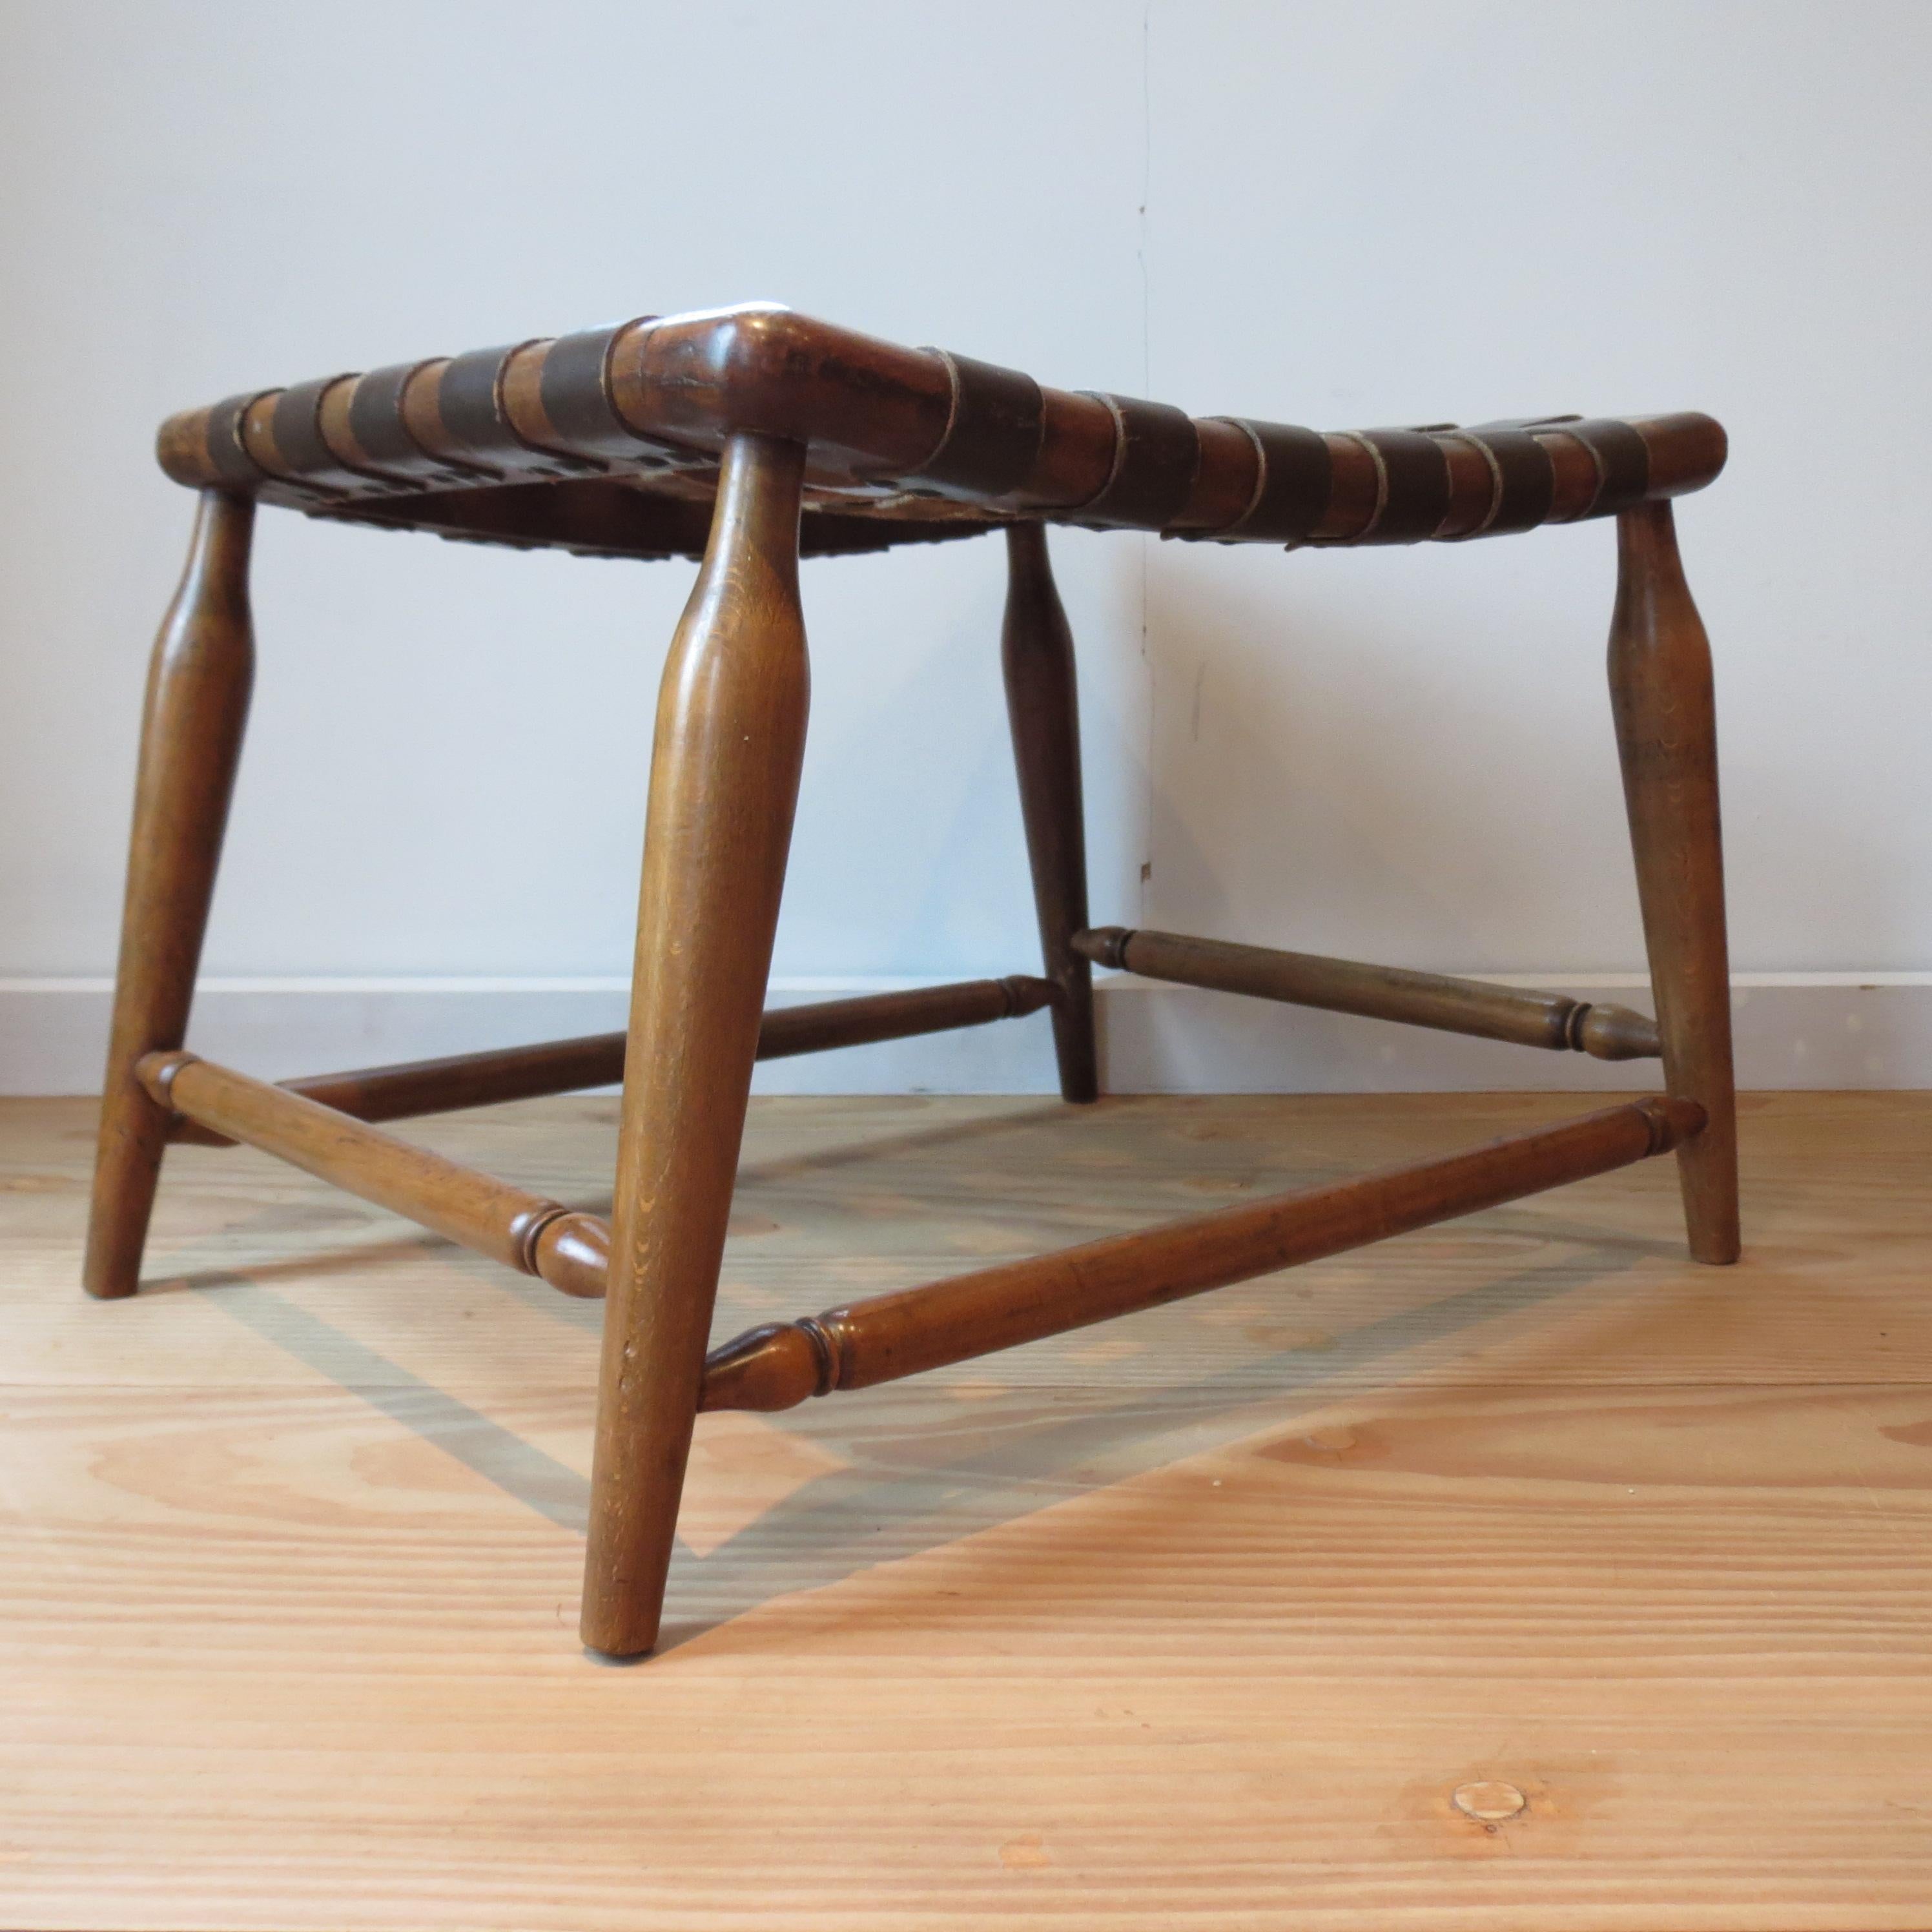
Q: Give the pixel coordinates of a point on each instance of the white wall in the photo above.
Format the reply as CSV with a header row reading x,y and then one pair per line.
x,y
1376,214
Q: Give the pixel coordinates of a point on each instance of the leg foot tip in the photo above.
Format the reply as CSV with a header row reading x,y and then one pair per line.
x,y
1716,1246
1723,1256
616,1659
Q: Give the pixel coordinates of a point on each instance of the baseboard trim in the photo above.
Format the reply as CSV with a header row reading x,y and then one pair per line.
x,y
1794,1030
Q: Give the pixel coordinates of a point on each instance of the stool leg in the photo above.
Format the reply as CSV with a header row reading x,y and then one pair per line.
x,y
725,770
197,703
1661,694
1037,651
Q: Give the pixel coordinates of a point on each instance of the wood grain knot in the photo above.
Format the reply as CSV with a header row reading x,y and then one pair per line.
x,y
1489,1799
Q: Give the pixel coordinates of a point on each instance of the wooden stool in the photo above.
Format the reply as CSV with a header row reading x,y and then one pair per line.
x,y
752,436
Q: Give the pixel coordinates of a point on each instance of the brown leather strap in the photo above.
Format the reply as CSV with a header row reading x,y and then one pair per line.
x,y
1414,494
1291,487
470,403
376,422
993,434
1156,453
232,463
574,388
296,426
1525,478
297,430
1623,460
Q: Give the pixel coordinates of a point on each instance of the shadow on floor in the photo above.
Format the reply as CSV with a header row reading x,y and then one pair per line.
x,y
919,1476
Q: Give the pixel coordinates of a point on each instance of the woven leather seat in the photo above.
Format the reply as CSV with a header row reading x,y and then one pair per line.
x,y
608,441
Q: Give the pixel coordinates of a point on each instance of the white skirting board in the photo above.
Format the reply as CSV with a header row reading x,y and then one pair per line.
x,y
1814,1029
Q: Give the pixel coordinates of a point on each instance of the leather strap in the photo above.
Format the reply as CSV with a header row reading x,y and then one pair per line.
x,y
1623,461
1157,457
296,425
575,387
1291,486
1525,478
376,421
470,403
993,433
1415,495
231,463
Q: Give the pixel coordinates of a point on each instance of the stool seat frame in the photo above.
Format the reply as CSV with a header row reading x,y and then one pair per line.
x,y
752,436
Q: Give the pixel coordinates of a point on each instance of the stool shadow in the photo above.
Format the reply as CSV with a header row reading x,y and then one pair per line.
x,y
916,1476
482,1445
1009,1456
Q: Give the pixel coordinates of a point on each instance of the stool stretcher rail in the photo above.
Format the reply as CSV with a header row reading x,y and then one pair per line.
x,y
414,1087
887,1336
1449,1005
891,1335
523,1230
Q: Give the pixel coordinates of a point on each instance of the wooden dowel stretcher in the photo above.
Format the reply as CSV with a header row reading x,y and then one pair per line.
x,y
1450,1005
887,1336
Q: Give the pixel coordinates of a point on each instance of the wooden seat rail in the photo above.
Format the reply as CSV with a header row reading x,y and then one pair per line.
x,y
416,1087
1552,1020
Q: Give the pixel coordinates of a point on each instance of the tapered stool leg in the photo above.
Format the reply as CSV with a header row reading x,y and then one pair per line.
x,y
724,771
1661,693
197,703
1036,651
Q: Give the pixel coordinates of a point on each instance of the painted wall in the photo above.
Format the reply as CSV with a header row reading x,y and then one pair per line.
x,y
1379,214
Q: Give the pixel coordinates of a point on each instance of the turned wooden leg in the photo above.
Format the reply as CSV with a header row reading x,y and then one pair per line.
x,y
731,735
197,703
1661,693
1036,650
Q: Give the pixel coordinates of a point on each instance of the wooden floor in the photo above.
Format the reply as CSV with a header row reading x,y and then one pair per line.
x,y
1201,1620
